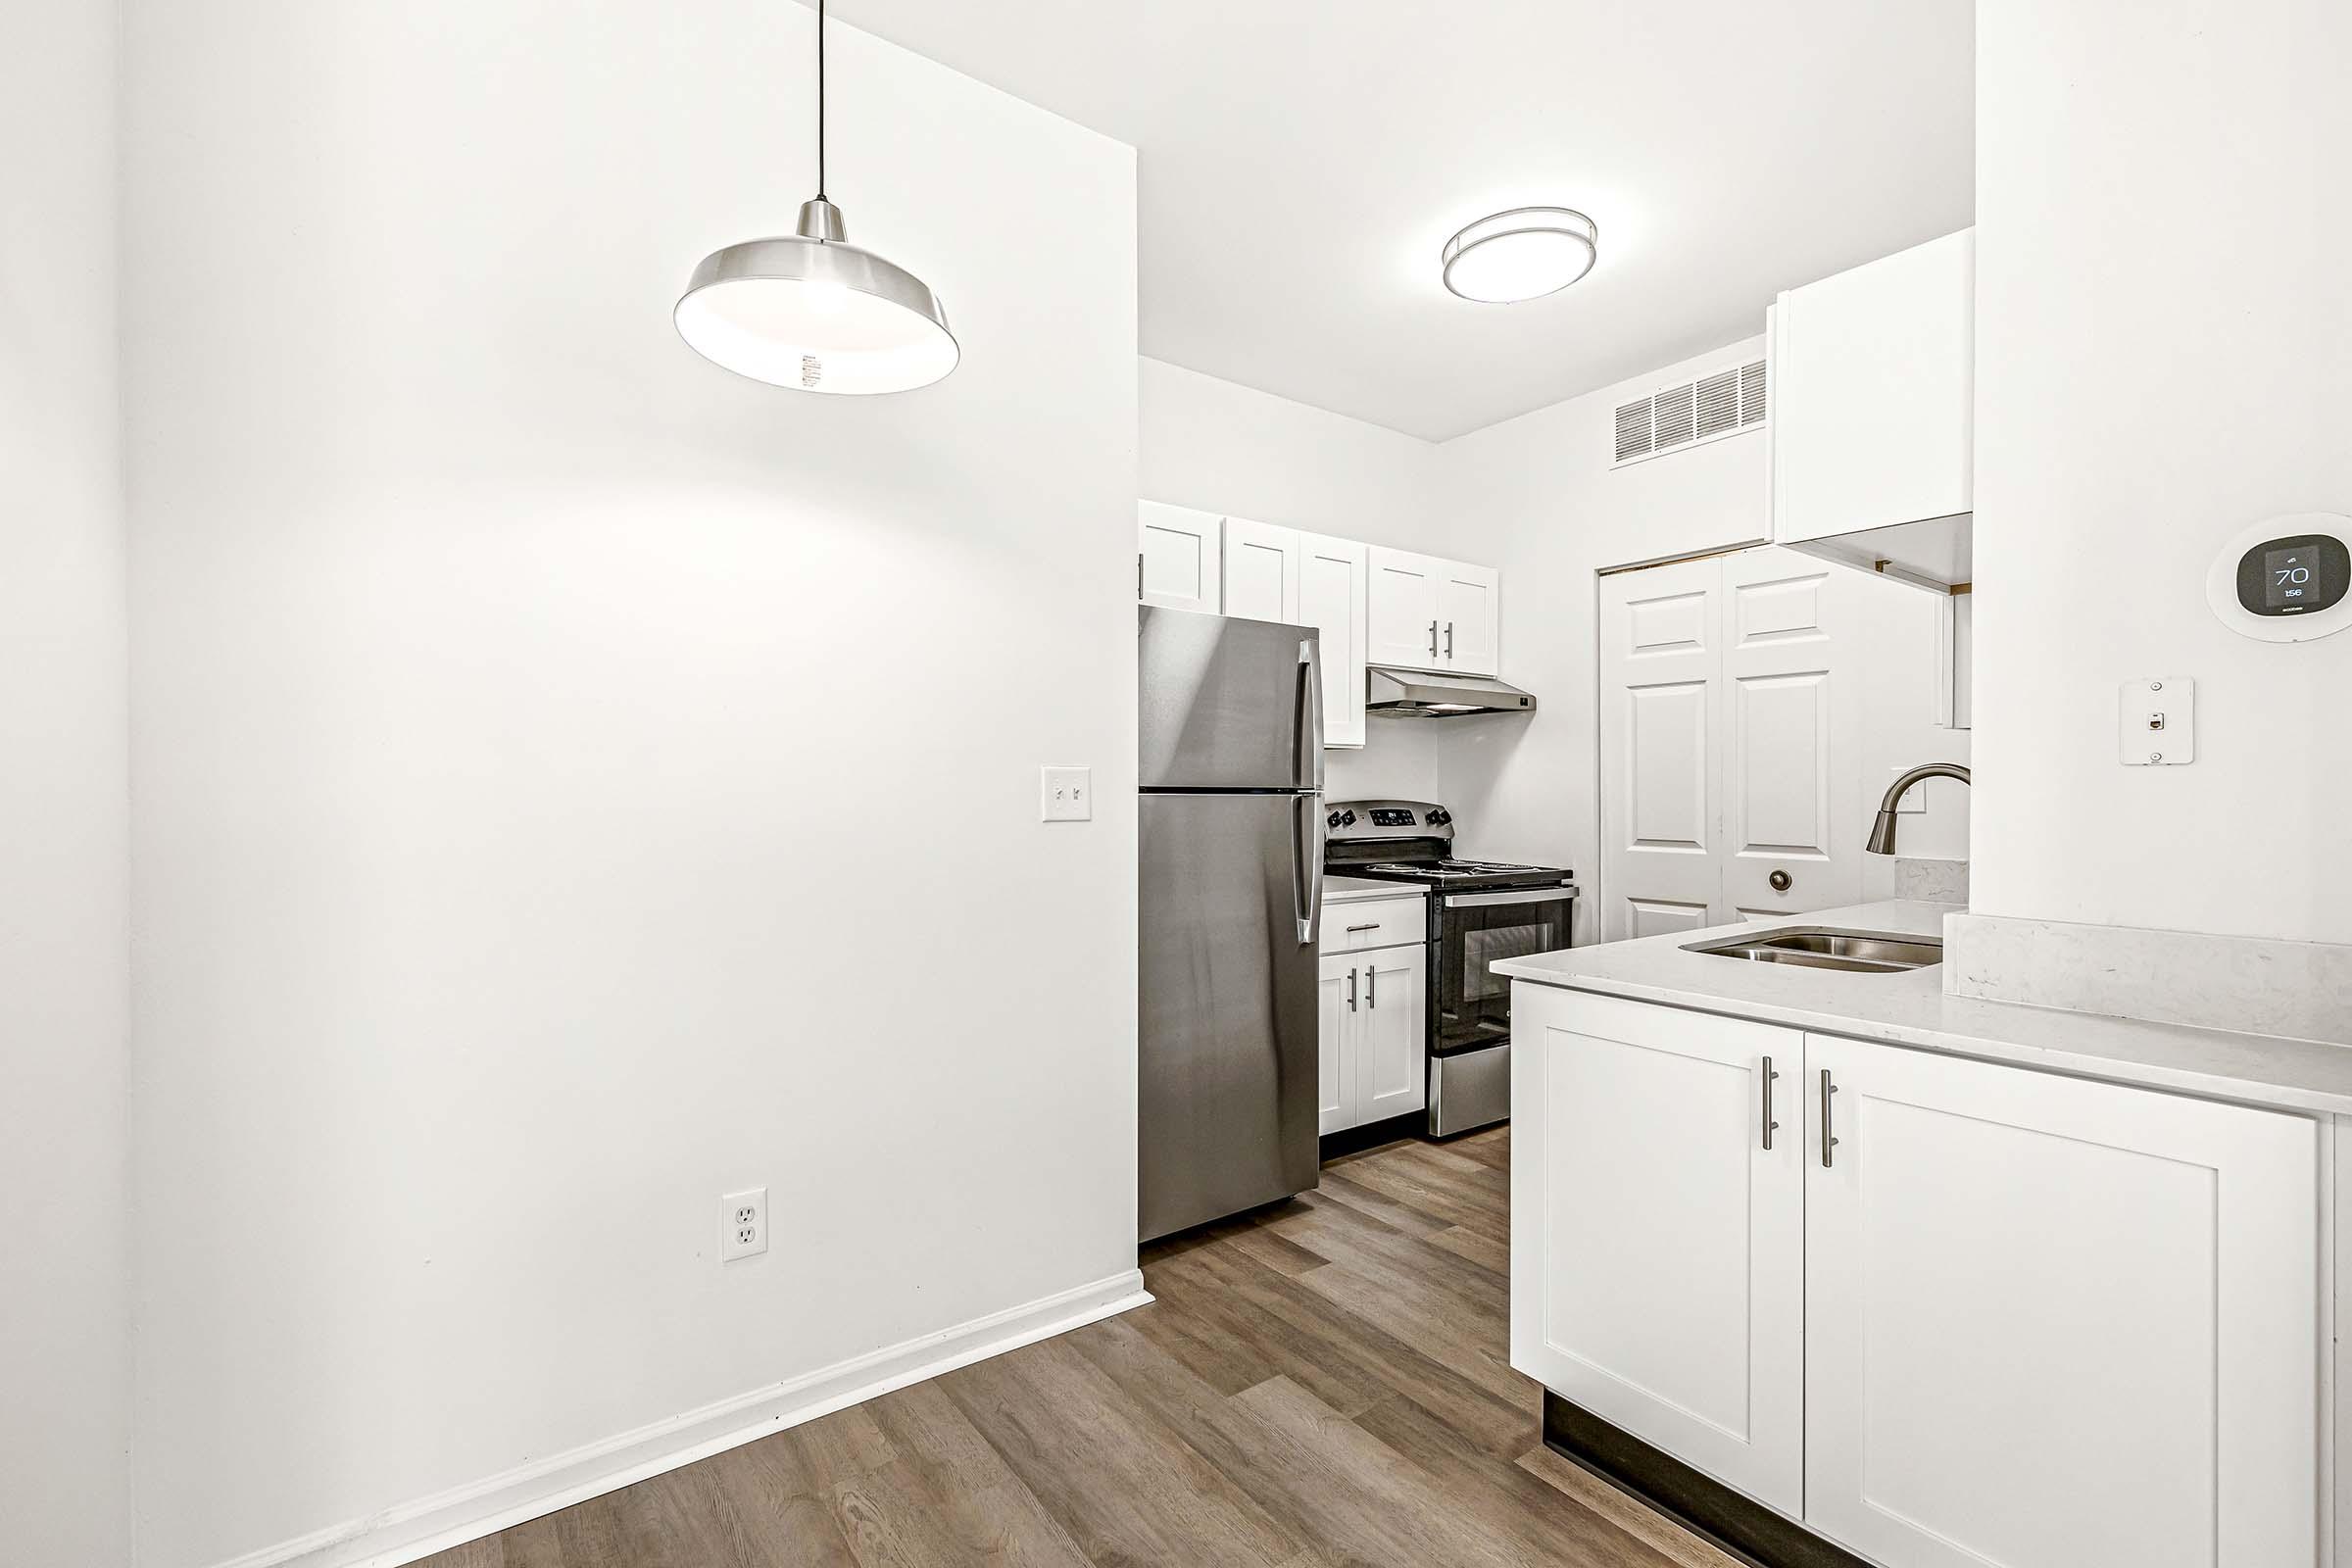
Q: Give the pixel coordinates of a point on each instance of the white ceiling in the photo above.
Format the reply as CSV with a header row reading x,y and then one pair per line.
x,y
1302,161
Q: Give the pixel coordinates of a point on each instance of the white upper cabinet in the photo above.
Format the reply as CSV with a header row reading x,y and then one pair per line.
x,y
1873,389
1403,597
1261,571
1428,613
1439,615
1306,579
1332,591
1177,551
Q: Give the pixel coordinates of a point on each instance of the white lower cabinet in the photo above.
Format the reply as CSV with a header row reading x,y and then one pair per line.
x,y
1372,1032
1959,1314
2057,1322
1658,1247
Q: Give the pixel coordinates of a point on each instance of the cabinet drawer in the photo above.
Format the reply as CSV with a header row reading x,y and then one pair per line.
x,y
1373,923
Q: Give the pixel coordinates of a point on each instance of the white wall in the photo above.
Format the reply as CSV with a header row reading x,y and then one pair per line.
x,y
64,1351
2138,401
1220,447
574,782
1536,497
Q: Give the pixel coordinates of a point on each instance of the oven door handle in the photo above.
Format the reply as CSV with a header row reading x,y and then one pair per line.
x,y
1479,900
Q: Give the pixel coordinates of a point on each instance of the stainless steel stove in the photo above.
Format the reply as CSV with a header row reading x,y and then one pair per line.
x,y
1480,911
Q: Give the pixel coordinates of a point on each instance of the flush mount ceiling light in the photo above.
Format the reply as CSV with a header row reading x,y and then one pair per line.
x,y
1522,254
808,310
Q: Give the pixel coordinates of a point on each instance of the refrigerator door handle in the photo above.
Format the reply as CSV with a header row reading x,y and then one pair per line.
x,y
1309,752
1306,864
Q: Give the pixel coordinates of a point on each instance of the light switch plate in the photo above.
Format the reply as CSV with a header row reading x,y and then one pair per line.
x,y
1066,794
2156,723
1915,800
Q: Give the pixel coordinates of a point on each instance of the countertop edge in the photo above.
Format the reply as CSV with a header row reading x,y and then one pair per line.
x,y
2263,1093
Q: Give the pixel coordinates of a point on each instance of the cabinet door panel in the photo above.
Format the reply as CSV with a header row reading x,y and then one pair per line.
x,y
1469,619
1338,1098
1180,553
1261,572
1395,1032
1403,614
2056,1324
1872,397
1332,599
1657,1264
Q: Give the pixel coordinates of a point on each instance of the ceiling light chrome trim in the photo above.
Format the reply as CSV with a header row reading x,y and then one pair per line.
x,y
1566,221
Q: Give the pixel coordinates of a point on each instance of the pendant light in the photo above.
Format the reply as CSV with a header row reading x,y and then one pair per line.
x,y
808,310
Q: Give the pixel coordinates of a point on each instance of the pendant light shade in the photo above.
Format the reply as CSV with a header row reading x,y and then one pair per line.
x,y
810,311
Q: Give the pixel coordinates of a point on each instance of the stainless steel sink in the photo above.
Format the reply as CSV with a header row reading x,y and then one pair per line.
x,y
1817,948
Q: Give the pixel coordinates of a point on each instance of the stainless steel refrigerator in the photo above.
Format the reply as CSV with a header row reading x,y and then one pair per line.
x,y
1232,889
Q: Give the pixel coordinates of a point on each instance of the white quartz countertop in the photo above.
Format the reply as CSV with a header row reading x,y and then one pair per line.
x,y
1356,889
1911,1010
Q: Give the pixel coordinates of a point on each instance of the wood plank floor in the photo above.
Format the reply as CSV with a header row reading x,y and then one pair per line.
x,y
1320,1385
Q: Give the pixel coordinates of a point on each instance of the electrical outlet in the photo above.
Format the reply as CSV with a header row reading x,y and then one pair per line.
x,y
743,1224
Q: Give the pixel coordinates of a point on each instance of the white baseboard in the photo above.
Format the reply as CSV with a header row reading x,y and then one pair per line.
x,y
420,1528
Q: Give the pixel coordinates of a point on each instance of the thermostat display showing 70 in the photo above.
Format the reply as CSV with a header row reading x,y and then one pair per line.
x,y
2285,580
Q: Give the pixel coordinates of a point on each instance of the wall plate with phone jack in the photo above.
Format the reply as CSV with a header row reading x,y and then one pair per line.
x,y
2156,723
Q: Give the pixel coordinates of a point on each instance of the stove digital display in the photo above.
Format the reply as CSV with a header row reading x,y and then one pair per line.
x,y
1392,816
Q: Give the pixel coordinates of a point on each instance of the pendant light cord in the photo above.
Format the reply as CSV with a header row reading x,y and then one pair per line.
x,y
820,100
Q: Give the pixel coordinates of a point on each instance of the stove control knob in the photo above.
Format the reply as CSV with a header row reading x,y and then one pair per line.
x,y
1333,821
1349,818
1440,818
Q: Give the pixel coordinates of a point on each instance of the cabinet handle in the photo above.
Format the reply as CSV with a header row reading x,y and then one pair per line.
x,y
1433,639
1828,1142
1352,996
1371,988
1769,1124
1369,925
1450,639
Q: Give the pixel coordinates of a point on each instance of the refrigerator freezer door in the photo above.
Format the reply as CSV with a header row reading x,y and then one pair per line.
x,y
1228,704
1227,1004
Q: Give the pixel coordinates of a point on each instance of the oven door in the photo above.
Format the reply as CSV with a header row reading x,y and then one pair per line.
x,y
1470,1004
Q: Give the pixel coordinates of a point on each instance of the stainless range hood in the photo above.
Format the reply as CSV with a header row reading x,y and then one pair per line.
x,y
1418,693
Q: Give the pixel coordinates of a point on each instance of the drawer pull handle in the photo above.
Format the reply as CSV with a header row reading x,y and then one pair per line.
x,y
1371,926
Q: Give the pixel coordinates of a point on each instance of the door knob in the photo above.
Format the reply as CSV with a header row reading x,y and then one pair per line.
x,y
1779,881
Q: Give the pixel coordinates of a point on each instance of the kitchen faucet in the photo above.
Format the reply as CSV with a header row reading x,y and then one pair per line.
x,y
1881,831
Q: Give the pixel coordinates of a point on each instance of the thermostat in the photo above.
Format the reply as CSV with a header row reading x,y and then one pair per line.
x,y
2287,579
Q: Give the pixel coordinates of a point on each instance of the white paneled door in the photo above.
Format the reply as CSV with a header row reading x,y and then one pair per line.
x,y
2096,1305
1657,1229
1730,742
